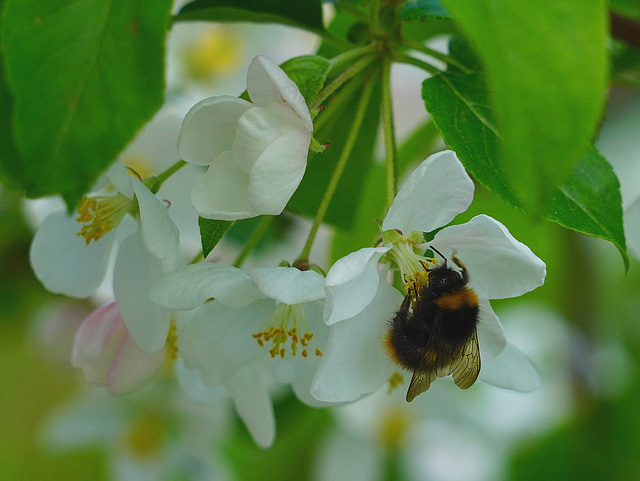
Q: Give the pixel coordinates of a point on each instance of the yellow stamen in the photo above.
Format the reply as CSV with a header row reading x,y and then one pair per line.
x,y
102,214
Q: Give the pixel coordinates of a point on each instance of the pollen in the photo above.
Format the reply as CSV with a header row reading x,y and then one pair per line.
x,y
102,214
281,334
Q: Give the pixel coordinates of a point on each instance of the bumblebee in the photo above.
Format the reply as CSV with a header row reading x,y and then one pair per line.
x,y
434,333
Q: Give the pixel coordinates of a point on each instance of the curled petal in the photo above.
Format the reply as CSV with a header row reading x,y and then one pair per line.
x,y
511,369
63,262
209,128
437,191
491,337
266,82
499,266
288,284
223,191
277,172
121,179
160,233
192,285
352,283
108,355
355,362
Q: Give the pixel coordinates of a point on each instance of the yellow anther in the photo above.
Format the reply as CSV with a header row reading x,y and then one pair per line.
x,y
318,352
304,353
102,214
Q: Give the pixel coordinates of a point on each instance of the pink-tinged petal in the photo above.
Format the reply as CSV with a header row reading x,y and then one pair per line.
x,y
160,233
108,355
266,82
62,260
288,284
491,336
499,266
253,403
209,128
192,285
352,283
223,191
278,171
437,191
260,127
512,370
135,271
355,362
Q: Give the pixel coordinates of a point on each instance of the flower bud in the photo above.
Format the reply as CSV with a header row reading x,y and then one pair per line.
x,y
109,357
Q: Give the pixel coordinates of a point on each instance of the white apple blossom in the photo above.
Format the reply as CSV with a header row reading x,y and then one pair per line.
x,y
360,303
256,152
72,259
266,313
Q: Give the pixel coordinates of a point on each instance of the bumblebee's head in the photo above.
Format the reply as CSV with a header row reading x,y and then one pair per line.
x,y
445,279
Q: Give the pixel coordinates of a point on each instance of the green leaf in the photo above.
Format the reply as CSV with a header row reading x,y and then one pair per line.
x,y
590,202
333,126
546,67
422,9
459,107
85,75
11,169
307,14
308,72
211,231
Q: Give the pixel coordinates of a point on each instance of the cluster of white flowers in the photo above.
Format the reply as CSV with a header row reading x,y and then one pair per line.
x,y
243,332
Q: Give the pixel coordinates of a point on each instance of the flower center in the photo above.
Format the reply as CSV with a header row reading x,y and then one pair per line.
x,y
286,326
101,214
413,266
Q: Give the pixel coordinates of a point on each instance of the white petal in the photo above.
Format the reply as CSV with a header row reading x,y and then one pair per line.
x,y
278,171
511,370
209,128
266,82
491,337
499,266
352,283
355,362
192,285
191,383
135,271
219,341
63,262
288,284
160,233
261,126
437,191
253,404
119,176
300,371
223,191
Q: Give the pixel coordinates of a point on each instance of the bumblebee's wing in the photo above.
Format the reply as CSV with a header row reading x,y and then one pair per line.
x,y
420,382
466,368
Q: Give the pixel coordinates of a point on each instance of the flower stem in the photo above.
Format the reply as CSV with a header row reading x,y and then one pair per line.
x,y
342,162
159,179
427,67
349,73
435,54
253,240
391,150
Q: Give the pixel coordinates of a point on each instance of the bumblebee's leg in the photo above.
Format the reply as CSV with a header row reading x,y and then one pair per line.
x,y
458,262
